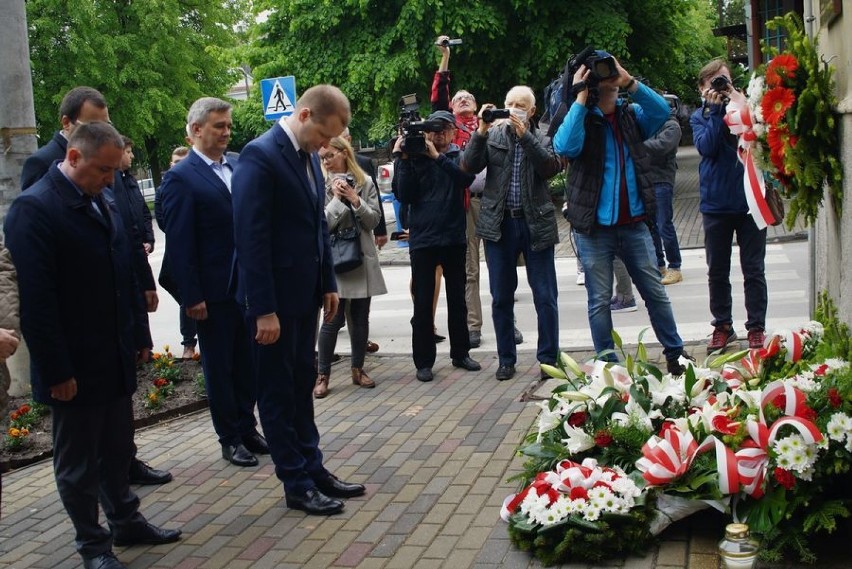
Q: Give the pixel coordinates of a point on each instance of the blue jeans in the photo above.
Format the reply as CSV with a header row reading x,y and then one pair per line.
x,y
719,232
633,244
502,260
665,238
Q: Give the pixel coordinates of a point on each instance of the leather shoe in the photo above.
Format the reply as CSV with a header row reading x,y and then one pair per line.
x,y
103,561
475,337
141,473
145,534
467,363
255,443
315,503
505,372
333,487
424,374
238,455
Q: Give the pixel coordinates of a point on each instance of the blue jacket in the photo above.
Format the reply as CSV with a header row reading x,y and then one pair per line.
x,y
720,173
651,111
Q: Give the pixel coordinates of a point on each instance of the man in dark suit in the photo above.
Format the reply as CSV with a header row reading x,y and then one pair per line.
x,y
196,197
285,275
84,328
82,105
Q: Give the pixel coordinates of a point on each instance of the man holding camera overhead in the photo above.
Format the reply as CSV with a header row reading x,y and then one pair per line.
x,y
609,194
431,184
517,216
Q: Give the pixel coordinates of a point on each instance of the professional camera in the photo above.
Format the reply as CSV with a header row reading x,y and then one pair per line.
x,y
448,42
411,127
720,83
601,66
491,115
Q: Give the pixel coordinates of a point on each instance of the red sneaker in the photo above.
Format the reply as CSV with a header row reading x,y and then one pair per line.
x,y
756,338
722,336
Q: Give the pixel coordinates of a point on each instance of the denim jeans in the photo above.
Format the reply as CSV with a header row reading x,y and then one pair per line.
x,y
665,238
502,259
355,312
719,232
633,244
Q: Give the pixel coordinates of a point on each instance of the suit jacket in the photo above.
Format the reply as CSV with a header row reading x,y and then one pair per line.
x,y
199,231
283,248
37,165
80,313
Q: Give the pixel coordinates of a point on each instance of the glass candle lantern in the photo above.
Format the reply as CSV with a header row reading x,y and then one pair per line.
x,y
738,550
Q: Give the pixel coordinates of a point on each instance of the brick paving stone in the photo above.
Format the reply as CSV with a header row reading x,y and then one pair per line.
x,y
404,556
388,545
672,553
354,554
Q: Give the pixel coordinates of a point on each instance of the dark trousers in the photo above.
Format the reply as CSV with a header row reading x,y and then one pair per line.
x,y
91,458
285,379
356,313
227,364
188,329
719,231
423,264
502,259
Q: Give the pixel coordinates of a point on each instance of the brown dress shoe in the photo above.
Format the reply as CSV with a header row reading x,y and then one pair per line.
x,y
360,378
372,347
321,388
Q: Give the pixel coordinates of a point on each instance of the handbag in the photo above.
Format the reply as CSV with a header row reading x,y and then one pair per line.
x,y
775,204
346,246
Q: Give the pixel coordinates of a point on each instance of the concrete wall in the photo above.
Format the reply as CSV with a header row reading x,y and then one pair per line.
x,y
833,232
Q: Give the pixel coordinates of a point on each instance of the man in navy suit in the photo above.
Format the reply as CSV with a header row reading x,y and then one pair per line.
x,y
196,197
84,325
285,275
83,105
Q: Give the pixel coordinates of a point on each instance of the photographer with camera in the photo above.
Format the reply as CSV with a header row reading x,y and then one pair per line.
x,y
351,200
430,184
517,217
609,194
724,211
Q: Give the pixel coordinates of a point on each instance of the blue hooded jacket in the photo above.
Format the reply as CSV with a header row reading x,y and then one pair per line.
x,y
720,173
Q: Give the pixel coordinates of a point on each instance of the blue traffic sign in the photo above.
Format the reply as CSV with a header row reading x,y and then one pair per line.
x,y
279,97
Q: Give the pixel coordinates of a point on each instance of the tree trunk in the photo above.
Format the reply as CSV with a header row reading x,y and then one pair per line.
x,y
17,135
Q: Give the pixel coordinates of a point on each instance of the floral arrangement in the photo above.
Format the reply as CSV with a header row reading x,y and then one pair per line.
x,y
764,436
21,422
792,128
166,374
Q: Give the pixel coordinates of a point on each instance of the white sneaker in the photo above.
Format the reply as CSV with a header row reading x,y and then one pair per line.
x,y
581,279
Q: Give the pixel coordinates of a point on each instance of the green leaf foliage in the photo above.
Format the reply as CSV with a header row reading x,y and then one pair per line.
x,y
151,59
377,51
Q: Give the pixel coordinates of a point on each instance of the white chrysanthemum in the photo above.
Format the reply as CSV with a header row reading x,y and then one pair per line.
x,y
626,488
591,513
784,461
805,381
836,363
839,427
849,444
806,474
755,90
599,494
577,506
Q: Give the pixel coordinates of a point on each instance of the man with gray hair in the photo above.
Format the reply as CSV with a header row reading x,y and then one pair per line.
x,y
86,330
517,217
197,210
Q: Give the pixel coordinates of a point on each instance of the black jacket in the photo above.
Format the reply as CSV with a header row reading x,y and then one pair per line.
x,y
433,192
37,165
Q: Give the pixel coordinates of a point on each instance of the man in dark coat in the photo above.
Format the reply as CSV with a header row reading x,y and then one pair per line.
x,y
82,105
84,326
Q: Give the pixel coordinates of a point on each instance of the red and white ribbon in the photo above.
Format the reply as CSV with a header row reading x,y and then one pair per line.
x,y
739,120
666,459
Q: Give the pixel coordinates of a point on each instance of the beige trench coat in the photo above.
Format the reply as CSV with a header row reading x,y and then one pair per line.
x,y
367,280
9,313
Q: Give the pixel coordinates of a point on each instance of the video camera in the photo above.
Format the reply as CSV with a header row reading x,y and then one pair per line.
x,y
600,69
411,127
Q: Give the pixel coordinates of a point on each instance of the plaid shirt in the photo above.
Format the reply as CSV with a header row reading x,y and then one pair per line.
x,y
513,198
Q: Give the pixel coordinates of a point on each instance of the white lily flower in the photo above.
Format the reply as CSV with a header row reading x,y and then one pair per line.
x,y
668,386
578,440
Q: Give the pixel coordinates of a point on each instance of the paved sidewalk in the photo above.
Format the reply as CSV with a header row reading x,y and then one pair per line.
x,y
435,458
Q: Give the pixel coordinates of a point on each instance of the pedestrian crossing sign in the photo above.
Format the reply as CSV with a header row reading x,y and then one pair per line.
x,y
279,97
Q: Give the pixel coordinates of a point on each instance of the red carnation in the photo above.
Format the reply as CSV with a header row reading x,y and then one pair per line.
x,y
785,479
781,67
806,412
160,382
603,439
577,419
780,401
775,104
579,493
834,398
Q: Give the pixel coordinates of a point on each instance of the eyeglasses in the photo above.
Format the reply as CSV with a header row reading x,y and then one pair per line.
x,y
330,156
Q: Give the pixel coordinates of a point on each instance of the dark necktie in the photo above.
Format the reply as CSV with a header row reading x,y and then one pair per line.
x,y
303,156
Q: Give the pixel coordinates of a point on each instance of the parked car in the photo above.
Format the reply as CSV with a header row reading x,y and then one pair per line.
x,y
682,113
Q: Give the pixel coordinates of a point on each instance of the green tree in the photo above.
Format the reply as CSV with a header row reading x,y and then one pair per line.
x,y
150,59
377,51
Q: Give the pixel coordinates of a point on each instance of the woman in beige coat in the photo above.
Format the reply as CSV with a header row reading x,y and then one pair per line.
x,y
9,320
347,185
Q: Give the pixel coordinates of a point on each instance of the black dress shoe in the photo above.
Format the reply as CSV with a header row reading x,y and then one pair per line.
x,y
439,338
145,534
141,473
315,503
238,455
467,363
475,337
424,374
103,561
334,487
255,443
505,372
